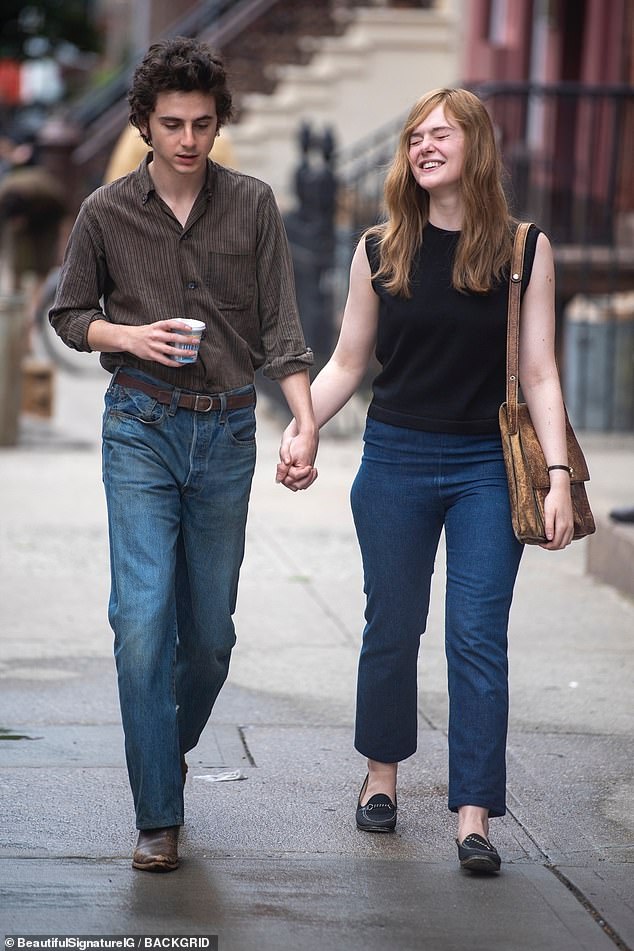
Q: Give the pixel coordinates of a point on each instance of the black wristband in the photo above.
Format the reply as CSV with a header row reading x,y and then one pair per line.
x,y
565,468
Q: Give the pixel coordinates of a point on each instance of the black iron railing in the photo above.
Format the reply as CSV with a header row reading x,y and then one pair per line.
x,y
567,149
101,113
207,19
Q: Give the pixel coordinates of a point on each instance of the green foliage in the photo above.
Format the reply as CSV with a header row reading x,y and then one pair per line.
x,y
58,21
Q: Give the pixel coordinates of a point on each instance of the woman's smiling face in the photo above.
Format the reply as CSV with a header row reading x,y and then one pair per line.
x,y
436,151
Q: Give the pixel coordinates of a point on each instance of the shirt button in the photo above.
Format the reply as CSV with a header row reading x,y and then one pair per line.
x,y
192,285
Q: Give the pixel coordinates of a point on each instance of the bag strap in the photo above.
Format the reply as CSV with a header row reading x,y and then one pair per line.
x,y
513,323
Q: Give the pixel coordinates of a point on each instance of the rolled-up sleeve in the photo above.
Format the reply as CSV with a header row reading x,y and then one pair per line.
x,y
285,350
81,284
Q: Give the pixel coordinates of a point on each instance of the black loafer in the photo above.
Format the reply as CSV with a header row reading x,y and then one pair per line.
x,y
378,814
476,854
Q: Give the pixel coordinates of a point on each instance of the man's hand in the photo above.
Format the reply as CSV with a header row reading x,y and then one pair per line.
x,y
295,469
159,342
300,439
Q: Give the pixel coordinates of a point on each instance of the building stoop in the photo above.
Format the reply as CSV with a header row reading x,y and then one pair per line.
x,y
354,83
610,555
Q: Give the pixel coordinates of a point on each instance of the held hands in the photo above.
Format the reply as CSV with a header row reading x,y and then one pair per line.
x,y
558,513
160,341
295,469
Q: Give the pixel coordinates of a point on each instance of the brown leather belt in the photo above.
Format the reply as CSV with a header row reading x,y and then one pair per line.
x,y
198,402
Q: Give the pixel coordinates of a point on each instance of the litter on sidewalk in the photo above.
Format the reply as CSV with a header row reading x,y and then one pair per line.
x,y
227,777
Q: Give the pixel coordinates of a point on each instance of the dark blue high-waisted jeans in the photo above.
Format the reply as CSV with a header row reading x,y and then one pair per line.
x,y
409,486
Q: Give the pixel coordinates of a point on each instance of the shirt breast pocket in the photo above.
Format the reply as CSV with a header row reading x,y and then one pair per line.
x,y
231,279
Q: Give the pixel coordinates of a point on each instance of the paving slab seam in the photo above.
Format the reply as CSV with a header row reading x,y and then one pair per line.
x,y
585,903
581,734
550,865
243,739
583,900
430,723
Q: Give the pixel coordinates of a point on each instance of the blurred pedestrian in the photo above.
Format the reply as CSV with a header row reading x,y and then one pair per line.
x,y
180,237
428,292
32,208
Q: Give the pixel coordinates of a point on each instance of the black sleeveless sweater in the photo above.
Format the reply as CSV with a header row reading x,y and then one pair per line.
x,y
442,353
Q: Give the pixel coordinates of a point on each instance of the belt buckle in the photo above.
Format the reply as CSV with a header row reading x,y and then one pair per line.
x,y
203,396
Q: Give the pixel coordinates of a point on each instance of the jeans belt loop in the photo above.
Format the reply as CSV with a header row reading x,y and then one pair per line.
x,y
113,378
223,407
176,395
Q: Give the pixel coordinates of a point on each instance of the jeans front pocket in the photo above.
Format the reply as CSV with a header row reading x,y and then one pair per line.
x,y
240,426
127,403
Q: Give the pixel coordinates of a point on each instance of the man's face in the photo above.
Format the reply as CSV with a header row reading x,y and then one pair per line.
x,y
182,129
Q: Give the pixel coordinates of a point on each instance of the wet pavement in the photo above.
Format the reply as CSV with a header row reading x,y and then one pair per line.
x,y
272,861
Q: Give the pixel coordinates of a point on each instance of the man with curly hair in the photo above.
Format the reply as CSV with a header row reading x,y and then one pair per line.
x,y
180,237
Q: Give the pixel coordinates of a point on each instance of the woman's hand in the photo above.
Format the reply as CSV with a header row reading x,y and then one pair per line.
x,y
558,513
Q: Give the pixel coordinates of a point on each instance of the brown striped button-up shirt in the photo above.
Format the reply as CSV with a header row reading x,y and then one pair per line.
x,y
130,261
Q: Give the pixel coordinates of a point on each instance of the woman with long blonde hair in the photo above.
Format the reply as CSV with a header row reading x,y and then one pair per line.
x,y
428,295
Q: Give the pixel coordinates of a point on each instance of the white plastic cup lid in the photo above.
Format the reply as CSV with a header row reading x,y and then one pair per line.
x,y
195,325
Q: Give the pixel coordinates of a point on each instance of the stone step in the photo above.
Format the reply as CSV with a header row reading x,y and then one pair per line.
x,y
353,83
610,555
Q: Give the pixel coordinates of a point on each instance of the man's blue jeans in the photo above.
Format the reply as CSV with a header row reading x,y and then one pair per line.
x,y
410,485
177,487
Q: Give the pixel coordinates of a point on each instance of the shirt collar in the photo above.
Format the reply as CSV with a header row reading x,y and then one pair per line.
x,y
146,184
210,178
142,173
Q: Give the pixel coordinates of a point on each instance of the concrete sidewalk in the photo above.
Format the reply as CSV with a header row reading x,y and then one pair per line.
x,y
273,861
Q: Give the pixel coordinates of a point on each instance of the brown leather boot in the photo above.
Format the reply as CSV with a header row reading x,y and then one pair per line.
x,y
157,850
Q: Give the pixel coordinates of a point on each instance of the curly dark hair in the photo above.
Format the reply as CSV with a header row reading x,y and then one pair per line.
x,y
177,65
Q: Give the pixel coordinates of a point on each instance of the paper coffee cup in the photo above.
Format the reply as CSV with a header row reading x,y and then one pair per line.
x,y
194,328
